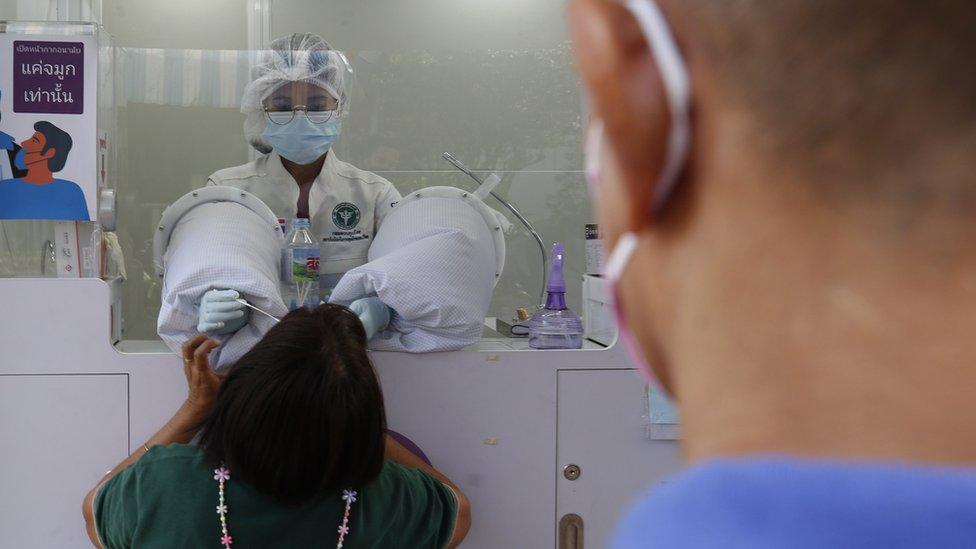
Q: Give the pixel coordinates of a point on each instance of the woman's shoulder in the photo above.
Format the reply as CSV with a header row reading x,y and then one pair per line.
x,y
175,457
173,451
159,472
413,507
349,172
399,484
172,472
394,473
233,175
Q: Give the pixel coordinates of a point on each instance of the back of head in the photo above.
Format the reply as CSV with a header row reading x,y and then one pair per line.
x,y
814,263
302,411
864,97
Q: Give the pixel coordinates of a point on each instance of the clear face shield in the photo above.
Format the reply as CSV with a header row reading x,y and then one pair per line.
x,y
301,83
317,104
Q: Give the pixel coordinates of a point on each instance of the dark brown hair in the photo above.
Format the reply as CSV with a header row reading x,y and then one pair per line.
x,y
857,94
302,411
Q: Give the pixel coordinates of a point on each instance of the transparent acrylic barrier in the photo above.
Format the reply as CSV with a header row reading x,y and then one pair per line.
x,y
491,83
51,10
67,249
51,249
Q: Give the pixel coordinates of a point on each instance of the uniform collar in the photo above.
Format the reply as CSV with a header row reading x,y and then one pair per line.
x,y
274,168
329,169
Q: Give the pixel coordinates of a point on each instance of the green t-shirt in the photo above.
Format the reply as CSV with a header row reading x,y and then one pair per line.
x,y
169,499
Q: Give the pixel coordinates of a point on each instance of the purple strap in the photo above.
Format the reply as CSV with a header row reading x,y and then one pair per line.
x,y
409,445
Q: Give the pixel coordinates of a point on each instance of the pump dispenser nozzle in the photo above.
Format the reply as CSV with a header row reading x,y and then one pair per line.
x,y
557,281
556,287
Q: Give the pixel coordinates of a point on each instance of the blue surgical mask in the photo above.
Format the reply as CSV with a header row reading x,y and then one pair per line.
x,y
300,140
19,160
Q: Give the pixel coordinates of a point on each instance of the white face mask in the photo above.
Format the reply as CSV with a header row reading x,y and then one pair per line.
x,y
677,85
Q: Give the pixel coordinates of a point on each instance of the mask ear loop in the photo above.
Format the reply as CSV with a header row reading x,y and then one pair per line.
x,y
677,86
591,156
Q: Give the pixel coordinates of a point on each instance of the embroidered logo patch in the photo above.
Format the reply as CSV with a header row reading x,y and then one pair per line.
x,y
346,216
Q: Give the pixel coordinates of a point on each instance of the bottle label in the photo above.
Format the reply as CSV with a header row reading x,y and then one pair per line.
x,y
304,265
285,265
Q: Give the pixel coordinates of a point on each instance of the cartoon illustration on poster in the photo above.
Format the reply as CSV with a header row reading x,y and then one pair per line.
x,y
48,78
7,161
38,194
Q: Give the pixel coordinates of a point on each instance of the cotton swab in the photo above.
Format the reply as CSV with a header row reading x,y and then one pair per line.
x,y
265,313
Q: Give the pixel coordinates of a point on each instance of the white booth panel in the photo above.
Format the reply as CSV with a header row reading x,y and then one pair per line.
x,y
488,422
487,418
58,435
600,431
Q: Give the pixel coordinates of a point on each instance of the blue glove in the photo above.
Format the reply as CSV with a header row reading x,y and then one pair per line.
x,y
221,313
6,142
373,313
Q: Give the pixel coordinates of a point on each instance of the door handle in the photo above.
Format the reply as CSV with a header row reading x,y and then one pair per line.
x,y
571,532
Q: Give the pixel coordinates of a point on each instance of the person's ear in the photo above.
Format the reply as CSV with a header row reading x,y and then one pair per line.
x,y
626,93
49,154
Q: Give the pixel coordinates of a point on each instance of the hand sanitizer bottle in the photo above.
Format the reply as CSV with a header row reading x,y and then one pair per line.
x,y
556,326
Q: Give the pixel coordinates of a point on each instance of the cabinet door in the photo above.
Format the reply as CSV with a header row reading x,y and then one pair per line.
x,y
58,436
601,431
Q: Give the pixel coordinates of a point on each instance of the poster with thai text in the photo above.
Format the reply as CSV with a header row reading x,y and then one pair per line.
x,y
48,149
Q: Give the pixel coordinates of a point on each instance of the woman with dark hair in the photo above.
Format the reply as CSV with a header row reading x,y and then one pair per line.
x,y
293,451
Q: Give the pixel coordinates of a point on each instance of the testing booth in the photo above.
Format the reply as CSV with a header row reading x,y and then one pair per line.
x,y
549,445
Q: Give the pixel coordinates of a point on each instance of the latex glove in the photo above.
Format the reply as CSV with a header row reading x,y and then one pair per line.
x,y
221,313
373,313
6,142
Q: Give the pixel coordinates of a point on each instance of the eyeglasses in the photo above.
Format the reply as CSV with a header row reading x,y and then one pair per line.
x,y
282,116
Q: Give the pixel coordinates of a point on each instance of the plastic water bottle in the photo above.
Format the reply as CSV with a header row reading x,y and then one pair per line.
x,y
556,326
300,262
284,266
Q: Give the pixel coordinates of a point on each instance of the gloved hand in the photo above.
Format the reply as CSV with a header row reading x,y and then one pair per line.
x,y
6,142
221,313
373,313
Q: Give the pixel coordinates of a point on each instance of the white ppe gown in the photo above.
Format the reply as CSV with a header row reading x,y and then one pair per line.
x,y
347,205
435,262
218,246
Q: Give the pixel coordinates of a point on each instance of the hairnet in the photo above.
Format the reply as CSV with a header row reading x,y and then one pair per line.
x,y
299,57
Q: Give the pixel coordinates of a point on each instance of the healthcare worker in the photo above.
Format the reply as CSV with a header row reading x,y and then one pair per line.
x,y
797,266
294,108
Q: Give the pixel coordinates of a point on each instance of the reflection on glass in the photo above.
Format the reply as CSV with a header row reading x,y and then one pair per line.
x,y
510,107
284,117
48,249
